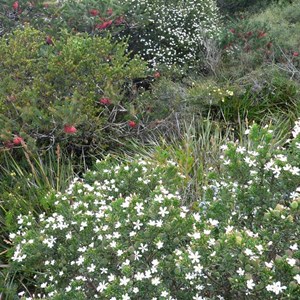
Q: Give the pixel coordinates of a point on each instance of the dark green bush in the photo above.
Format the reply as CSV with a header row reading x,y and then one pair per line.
x,y
50,90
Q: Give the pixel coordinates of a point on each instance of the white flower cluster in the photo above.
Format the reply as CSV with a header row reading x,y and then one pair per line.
x,y
173,32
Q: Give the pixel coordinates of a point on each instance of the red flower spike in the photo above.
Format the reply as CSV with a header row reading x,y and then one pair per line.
x,y
17,141
261,34
15,5
69,129
119,20
109,11
156,74
105,101
104,25
94,12
131,124
49,40
295,54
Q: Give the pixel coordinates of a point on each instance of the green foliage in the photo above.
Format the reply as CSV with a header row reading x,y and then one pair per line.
x,y
265,94
127,220
172,32
46,87
38,13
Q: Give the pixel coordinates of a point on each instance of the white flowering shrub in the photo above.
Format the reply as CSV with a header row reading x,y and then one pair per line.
x,y
122,232
171,32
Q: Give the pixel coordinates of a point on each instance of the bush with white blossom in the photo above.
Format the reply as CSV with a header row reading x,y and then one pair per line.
x,y
122,231
172,32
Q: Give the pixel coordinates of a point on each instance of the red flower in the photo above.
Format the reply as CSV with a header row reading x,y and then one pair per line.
x,y
261,34
269,45
109,11
104,25
119,20
69,129
296,53
131,124
232,30
249,33
94,12
105,101
15,5
49,40
156,74
17,140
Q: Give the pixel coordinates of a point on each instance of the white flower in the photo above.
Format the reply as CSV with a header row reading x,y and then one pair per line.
x,y
137,225
297,278
240,271
125,297
213,222
155,281
164,294
111,277
294,247
159,244
248,252
291,261
137,255
163,211
194,257
91,268
269,264
139,276
124,280
250,284
276,287
198,297
102,286
143,247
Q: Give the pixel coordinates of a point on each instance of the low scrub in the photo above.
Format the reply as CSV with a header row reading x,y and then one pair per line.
x,y
122,232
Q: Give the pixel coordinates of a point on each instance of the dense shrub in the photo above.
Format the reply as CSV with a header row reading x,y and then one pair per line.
x,y
173,31
73,90
123,233
37,13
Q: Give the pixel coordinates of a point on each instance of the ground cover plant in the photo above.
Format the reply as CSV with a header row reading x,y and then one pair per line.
x,y
108,238
149,149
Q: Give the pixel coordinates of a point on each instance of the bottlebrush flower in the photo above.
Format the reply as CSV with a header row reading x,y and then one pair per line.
x,y
295,53
15,5
156,75
119,20
249,33
69,129
269,45
105,101
17,140
49,40
131,124
104,25
109,11
94,12
261,34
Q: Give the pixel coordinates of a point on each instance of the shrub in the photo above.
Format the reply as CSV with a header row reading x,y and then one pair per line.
x,y
172,32
264,94
38,13
52,89
123,233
